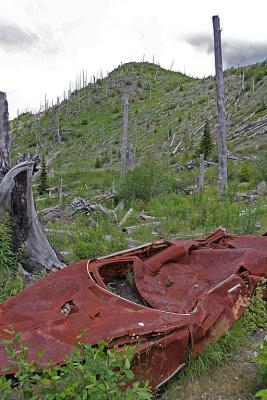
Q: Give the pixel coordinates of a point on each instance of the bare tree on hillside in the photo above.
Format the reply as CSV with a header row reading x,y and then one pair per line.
x,y
4,136
221,138
201,172
124,141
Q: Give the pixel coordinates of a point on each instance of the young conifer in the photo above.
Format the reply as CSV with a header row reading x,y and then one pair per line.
x,y
205,146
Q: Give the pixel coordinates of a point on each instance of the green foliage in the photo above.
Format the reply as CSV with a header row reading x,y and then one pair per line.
x,y
145,181
10,286
261,107
256,311
43,182
98,163
206,145
91,243
11,282
260,320
7,256
95,373
261,360
130,277
244,173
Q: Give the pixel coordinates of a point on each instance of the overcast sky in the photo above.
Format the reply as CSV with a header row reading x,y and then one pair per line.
x,y
44,44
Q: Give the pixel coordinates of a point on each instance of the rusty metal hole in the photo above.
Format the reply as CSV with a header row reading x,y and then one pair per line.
x,y
68,308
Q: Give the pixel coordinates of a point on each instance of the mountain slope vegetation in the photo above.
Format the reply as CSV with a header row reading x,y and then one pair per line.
x,y
81,135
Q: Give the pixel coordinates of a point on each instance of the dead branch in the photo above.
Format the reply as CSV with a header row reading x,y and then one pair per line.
x,y
126,216
130,229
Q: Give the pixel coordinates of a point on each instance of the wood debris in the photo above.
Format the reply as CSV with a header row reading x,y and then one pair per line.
x,y
88,207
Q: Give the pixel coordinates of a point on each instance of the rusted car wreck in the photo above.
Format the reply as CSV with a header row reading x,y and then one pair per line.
x,y
164,298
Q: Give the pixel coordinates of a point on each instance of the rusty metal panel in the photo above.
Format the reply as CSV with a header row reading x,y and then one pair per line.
x,y
184,293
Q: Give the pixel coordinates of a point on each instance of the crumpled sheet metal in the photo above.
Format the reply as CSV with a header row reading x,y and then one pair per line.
x,y
193,291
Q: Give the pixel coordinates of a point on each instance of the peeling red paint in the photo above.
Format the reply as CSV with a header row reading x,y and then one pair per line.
x,y
193,290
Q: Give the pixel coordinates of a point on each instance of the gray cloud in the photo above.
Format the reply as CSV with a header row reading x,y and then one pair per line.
x,y
13,38
234,51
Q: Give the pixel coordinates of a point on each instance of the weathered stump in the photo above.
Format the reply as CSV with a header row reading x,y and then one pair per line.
x,y
16,198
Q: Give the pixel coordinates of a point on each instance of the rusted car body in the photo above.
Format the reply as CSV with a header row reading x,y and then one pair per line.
x,y
180,295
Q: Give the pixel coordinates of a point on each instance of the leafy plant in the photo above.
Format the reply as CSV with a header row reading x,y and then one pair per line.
x,y
7,256
130,277
244,173
261,360
11,282
145,181
98,163
95,373
92,243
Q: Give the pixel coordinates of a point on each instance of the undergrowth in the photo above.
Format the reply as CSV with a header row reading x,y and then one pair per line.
x,y
261,360
11,282
88,373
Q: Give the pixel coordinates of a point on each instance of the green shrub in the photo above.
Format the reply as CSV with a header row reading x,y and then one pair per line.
x,y
11,282
261,107
146,181
91,243
261,360
95,373
244,173
10,286
98,163
7,257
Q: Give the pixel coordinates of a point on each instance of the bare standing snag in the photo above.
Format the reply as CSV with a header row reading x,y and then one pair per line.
x,y
221,138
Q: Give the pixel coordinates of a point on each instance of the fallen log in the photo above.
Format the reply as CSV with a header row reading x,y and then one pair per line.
x,y
88,207
52,212
130,229
126,216
145,217
58,232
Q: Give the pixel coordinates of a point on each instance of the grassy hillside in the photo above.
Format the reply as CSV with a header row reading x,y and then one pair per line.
x,y
167,113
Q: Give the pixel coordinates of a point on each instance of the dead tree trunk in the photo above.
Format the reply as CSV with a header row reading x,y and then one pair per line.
x,y
201,172
243,79
58,131
253,84
130,158
221,139
16,198
60,190
124,141
4,137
